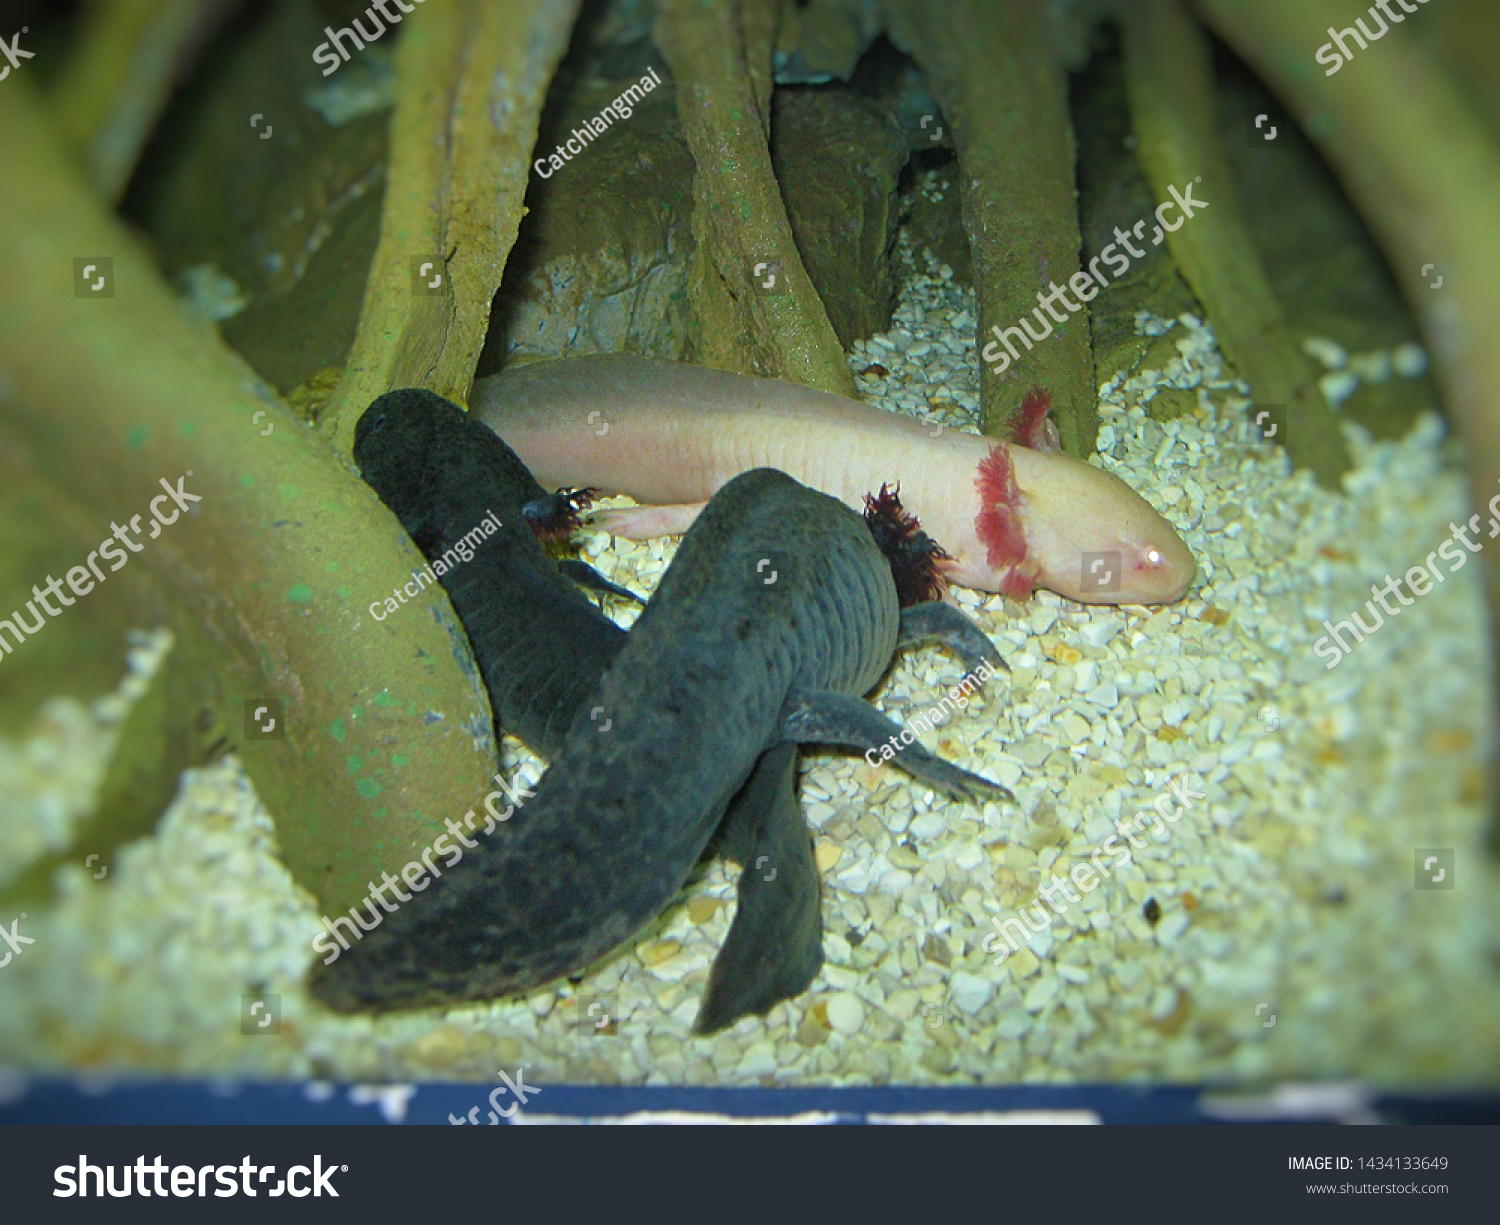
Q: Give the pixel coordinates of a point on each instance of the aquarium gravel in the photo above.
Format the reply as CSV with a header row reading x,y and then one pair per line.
x,y
1281,927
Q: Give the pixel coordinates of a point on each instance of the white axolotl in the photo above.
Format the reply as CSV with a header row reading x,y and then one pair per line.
x,y
669,435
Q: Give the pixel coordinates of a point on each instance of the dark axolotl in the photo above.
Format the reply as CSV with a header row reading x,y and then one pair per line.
x,y
541,646
778,612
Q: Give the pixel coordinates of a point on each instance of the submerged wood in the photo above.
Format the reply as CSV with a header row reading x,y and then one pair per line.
x,y
470,82
267,580
994,70
755,306
119,76
1170,83
1424,172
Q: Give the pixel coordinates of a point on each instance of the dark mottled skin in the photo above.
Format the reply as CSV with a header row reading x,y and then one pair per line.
x,y
776,614
541,649
540,644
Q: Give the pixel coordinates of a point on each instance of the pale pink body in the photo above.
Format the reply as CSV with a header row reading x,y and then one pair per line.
x,y
669,434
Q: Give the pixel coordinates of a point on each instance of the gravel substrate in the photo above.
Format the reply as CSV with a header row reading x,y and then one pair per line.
x,y
1273,931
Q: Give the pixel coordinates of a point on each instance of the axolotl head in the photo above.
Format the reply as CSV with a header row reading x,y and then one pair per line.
x,y
1077,530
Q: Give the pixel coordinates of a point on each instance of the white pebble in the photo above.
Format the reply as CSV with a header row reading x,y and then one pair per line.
x,y
856,879
1105,695
1042,994
896,881
845,1013
111,708
970,992
1409,360
1040,944
968,856
928,827
1163,1003
818,813
1371,367
758,1061
1171,927
1097,631
1330,353
1337,388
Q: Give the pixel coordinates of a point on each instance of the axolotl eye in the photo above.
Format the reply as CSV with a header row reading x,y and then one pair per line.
x,y
1160,573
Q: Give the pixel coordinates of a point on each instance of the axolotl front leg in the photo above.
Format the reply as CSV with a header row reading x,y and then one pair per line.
x,y
555,518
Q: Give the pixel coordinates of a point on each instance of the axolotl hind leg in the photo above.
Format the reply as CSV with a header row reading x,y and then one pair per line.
x,y
936,623
775,944
834,718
